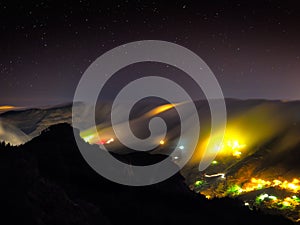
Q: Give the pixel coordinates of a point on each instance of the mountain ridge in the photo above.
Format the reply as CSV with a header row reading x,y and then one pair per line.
x,y
52,184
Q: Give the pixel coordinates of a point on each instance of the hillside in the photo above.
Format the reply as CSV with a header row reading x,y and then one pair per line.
x,y
46,181
258,161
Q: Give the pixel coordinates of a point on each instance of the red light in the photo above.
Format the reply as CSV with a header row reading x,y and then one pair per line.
x,y
102,142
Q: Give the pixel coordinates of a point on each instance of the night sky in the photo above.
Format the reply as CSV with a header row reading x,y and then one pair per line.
x,y
252,47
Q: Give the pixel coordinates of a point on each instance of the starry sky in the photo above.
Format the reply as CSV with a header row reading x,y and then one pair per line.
x,y
251,46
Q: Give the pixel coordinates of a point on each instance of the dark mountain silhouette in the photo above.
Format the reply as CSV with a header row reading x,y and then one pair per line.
x,y
46,181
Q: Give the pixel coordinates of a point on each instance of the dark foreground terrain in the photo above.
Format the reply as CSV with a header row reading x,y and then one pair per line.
x,y
46,181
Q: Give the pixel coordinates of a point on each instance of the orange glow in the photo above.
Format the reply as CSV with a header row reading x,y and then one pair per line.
x,y
288,201
256,184
161,109
6,107
293,186
161,142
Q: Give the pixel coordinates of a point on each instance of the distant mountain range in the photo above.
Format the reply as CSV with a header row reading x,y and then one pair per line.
x,y
22,125
257,163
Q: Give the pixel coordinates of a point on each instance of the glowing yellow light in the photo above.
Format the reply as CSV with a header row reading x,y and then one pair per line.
x,y
235,145
161,142
293,186
161,109
88,138
232,144
236,154
290,202
256,184
214,162
277,182
285,203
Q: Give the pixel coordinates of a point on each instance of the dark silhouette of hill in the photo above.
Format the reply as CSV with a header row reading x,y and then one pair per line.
x,y
46,181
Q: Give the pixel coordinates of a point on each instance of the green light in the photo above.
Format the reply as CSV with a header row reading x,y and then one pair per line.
x,y
285,205
214,162
259,199
198,183
234,190
88,138
296,199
